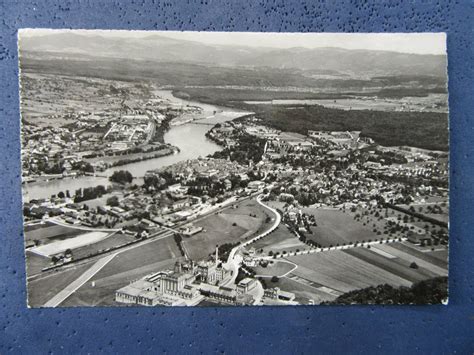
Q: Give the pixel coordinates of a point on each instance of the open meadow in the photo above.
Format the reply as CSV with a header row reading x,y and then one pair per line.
x,y
342,272
336,227
304,291
124,268
277,268
70,243
281,239
44,233
45,97
313,169
422,259
397,264
41,290
229,226
35,262
114,240
433,206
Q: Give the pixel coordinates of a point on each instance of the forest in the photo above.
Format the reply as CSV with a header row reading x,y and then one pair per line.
x,y
432,291
428,130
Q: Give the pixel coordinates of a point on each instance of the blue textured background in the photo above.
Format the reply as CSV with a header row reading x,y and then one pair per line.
x,y
430,329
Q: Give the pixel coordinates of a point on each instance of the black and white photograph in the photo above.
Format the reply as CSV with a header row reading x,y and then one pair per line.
x,y
208,169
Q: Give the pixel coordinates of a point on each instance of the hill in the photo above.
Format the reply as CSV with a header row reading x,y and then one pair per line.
x,y
432,291
159,48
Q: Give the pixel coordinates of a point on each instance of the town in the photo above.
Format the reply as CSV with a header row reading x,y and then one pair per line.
x,y
198,174
299,180
87,140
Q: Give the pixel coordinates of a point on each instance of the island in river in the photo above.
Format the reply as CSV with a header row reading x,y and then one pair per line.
x,y
188,135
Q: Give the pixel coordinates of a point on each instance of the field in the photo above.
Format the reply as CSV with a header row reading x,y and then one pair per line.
x,y
337,272
245,209
279,205
444,217
394,265
378,219
423,259
304,291
35,263
435,102
49,230
42,290
112,241
279,240
336,227
277,268
101,201
124,268
219,228
70,243
342,272
441,253
45,97
37,225
426,207
38,258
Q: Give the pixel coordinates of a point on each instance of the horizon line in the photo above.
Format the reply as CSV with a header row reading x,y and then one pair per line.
x,y
417,43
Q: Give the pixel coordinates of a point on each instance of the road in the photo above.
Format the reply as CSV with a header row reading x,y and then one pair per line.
x,y
150,239
235,260
81,280
59,222
169,232
100,263
286,273
341,247
94,269
275,225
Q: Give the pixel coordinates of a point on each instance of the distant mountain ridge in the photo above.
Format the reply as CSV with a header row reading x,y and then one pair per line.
x,y
163,49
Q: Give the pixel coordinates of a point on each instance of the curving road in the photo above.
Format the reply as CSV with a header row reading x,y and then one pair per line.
x,y
272,228
235,260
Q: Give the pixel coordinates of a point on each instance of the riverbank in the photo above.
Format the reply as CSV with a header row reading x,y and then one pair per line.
x,y
148,148
164,152
121,162
189,139
388,128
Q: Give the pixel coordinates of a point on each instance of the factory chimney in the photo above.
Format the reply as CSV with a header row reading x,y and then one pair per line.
x,y
177,267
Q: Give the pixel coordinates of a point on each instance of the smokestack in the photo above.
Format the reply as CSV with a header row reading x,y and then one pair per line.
x,y
177,267
217,254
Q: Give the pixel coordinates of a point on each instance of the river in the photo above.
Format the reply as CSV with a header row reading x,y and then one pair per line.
x,y
189,138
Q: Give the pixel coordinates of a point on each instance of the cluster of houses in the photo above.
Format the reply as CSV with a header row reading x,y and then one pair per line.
x,y
118,126
130,130
49,151
332,174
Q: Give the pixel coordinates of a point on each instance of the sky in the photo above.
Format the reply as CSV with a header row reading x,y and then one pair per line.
x,y
419,43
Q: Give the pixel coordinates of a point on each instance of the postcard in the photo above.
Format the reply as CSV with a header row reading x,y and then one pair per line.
x,y
168,168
